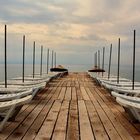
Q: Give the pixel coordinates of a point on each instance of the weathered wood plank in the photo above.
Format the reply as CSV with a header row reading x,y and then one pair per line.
x,y
25,125
85,127
79,94
46,130
57,92
35,127
74,94
60,129
119,115
62,93
97,126
84,94
69,82
73,126
113,134
68,94
121,130
31,133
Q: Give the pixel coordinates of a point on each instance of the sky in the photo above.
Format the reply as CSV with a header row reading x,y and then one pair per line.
x,y
74,29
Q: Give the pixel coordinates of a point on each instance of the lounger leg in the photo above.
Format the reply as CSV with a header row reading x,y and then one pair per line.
x,y
16,111
34,92
137,115
133,114
7,117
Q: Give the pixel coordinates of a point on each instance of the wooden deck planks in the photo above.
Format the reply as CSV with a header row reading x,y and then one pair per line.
x,y
68,94
20,118
74,93
85,127
120,114
34,129
62,93
61,124
84,94
121,130
110,129
47,128
23,128
97,126
73,124
72,108
31,133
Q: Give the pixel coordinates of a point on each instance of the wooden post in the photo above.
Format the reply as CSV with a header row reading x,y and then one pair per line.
x,y
55,60
48,61
52,59
134,47
118,73
103,60
96,58
41,60
110,61
5,56
34,59
23,65
99,59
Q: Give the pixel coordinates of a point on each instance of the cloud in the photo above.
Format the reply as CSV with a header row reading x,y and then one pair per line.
x,y
71,26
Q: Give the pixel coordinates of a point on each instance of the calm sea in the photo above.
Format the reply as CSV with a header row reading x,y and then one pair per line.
x,y
15,70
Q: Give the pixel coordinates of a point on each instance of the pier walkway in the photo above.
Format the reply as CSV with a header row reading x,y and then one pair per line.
x,y
72,108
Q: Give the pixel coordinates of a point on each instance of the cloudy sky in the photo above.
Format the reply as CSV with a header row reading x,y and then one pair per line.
x,y
75,29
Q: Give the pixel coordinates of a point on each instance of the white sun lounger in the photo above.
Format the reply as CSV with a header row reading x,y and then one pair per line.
x,y
8,108
99,75
12,89
27,78
38,77
25,83
11,96
122,83
125,89
133,108
49,75
113,80
19,91
121,87
126,97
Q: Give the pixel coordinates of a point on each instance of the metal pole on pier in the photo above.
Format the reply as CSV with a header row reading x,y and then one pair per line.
x,y
34,59
5,56
110,61
23,65
96,59
103,60
134,46
48,61
99,59
52,59
41,60
55,59
118,73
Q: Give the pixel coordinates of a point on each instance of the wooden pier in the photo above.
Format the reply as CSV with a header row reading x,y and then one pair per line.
x,y
72,108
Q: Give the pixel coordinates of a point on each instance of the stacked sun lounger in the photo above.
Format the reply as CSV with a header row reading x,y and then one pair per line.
x,y
19,93
122,91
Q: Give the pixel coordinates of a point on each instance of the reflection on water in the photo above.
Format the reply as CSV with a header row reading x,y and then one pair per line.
x,y
15,70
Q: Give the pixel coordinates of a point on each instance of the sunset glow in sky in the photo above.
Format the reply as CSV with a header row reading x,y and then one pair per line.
x,y
75,29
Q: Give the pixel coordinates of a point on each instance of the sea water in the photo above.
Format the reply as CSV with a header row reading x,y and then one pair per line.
x,y
15,70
